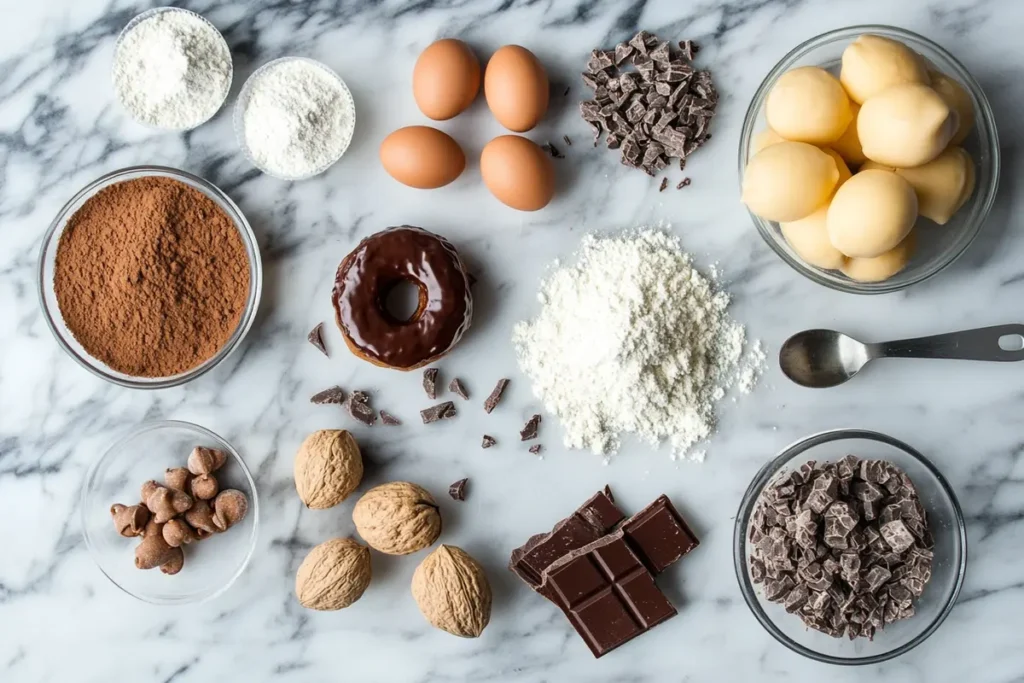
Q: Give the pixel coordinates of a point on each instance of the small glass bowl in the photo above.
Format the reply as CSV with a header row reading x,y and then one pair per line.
x,y
149,14
47,263
243,102
944,517
211,565
937,246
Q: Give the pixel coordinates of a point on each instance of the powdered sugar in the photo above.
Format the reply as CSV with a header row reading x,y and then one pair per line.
x,y
633,339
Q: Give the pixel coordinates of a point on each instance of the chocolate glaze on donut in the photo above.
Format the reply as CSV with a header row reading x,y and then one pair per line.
x,y
367,275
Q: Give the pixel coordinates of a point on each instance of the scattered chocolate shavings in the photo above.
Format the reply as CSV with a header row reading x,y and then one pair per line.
x,y
530,430
316,338
552,150
430,382
361,410
488,441
335,395
535,449
389,419
458,490
458,389
685,182
664,184
567,141
442,411
495,398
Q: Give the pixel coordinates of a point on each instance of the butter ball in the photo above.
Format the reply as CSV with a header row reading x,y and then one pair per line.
x,y
844,170
808,104
766,138
788,181
959,100
883,266
872,64
848,145
871,213
941,185
808,237
907,125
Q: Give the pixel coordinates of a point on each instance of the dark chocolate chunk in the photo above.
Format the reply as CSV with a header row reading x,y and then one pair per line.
x,y
567,141
685,182
359,397
552,150
567,89
389,419
623,51
492,401
530,430
458,389
361,410
488,441
659,534
664,184
334,395
430,382
316,338
535,449
458,489
442,411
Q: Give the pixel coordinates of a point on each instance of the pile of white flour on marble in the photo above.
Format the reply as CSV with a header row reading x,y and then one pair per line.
x,y
632,339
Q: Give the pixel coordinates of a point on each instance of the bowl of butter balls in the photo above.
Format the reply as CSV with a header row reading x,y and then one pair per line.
x,y
869,159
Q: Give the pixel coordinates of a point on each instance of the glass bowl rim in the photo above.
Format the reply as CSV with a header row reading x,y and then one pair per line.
x,y
242,101
120,442
753,492
991,142
241,224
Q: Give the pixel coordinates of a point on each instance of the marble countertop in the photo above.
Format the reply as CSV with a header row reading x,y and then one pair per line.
x,y
61,620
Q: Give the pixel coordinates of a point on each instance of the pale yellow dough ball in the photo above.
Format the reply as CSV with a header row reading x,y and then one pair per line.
x,y
872,64
808,104
808,237
766,138
907,125
942,185
844,170
871,213
788,181
883,266
848,145
958,100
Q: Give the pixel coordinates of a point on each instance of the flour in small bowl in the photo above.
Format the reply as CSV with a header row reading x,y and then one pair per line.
x,y
632,339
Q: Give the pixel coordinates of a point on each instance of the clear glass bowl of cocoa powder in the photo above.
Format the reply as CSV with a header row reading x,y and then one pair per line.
x,y
47,266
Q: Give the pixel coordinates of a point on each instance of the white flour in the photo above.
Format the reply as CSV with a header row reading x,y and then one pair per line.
x,y
633,339
172,70
298,119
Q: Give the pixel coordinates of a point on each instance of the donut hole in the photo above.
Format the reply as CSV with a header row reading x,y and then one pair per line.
x,y
401,301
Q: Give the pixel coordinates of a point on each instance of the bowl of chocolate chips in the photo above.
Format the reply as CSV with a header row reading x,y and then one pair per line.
x,y
850,547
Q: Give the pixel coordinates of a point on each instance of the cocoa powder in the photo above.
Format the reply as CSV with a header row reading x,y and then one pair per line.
x,y
151,277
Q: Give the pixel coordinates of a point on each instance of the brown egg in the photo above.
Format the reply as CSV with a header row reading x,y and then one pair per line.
x,y
516,88
446,79
422,157
518,172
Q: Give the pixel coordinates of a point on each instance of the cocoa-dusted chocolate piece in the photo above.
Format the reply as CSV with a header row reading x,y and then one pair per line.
x,y
492,401
333,395
530,430
389,419
458,490
488,441
442,411
430,383
316,338
457,388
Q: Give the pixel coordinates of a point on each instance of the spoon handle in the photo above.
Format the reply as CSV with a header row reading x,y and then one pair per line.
x,y
980,344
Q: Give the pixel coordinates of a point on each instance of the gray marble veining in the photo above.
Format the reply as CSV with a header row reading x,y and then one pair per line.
x,y
60,127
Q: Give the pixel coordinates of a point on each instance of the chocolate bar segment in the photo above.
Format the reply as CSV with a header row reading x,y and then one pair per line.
x,y
659,535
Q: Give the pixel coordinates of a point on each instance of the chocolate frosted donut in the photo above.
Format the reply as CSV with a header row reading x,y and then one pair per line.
x,y
368,274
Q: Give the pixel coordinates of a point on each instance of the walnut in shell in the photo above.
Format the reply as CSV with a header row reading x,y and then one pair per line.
x,y
397,518
333,575
328,467
452,591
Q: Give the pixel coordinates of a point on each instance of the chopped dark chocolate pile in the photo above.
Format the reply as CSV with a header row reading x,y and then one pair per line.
x,y
649,101
845,545
334,395
457,388
430,382
488,441
316,338
492,401
442,411
530,430
535,449
359,408
389,419
458,489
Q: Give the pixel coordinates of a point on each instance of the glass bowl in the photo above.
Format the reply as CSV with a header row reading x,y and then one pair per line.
x,y
946,522
149,14
211,565
48,298
243,102
938,246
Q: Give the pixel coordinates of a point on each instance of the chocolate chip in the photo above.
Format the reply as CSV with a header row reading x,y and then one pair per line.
x,y
316,338
442,411
535,449
495,398
458,489
458,389
488,441
664,184
335,395
430,382
530,430
389,419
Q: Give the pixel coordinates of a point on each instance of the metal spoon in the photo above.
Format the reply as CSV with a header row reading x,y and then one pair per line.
x,y
826,358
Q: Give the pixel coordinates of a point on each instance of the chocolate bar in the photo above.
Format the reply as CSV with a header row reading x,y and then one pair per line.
x,y
659,533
